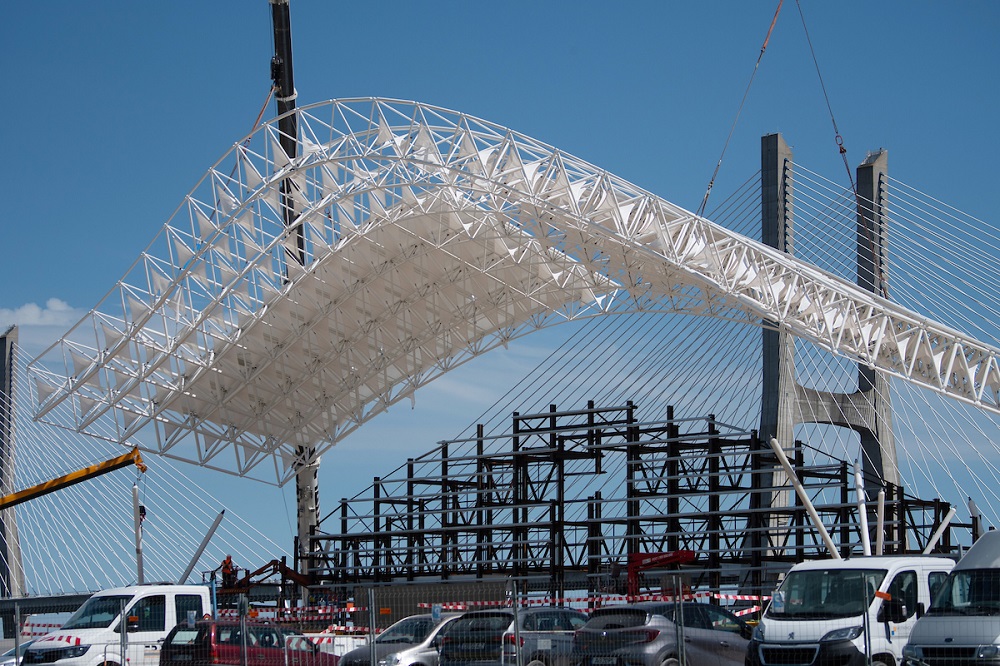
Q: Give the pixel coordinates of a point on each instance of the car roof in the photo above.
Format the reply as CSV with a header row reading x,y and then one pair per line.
x,y
645,605
530,610
231,623
984,553
875,562
429,616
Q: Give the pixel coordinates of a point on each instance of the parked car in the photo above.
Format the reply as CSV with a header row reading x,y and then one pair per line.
x,y
858,610
962,626
488,638
210,642
645,634
405,643
92,636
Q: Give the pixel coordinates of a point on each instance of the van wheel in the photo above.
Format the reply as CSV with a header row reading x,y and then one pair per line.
x,y
879,662
536,662
670,661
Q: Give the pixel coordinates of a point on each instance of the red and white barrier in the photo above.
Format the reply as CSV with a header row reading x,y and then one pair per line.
x,y
31,630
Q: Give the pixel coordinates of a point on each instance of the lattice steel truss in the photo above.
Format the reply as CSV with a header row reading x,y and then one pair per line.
x,y
565,497
422,238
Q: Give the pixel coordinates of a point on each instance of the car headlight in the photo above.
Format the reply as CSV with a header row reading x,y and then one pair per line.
x,y
912,652
845,634
389,660
74,651
988,651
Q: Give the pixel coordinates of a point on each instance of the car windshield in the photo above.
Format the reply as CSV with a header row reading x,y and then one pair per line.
x,y
819,594
98,612
969,592
410,630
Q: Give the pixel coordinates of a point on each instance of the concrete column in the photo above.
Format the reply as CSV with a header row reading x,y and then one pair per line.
x,y
777,416
878,445
11,567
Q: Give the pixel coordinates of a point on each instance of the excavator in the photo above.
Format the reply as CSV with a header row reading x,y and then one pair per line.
x,y
46,487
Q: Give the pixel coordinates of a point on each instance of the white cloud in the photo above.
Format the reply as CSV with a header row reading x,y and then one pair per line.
x,y
39,327
55,313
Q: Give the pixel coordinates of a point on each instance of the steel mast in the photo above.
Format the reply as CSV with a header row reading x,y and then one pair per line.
x,y
282,76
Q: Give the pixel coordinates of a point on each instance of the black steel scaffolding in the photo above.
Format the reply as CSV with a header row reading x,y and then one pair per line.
x,y
564,498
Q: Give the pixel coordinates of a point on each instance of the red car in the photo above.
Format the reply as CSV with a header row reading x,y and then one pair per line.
x,y
208,642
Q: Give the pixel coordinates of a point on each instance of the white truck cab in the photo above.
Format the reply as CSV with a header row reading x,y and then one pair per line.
x,y
96,633
841,611
963,626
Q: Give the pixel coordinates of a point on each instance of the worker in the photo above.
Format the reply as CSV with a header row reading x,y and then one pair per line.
x,y
228,572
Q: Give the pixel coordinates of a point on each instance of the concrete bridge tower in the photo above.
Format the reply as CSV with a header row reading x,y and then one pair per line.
x,y
11,568
784,402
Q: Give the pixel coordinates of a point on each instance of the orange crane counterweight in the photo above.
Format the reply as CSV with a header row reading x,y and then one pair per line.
x,y
46,487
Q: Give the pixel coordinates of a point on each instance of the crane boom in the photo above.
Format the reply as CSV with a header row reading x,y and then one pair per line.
x,y
46,487
639,562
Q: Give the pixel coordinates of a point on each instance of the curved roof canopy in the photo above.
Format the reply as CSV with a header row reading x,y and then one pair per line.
x,y
421,239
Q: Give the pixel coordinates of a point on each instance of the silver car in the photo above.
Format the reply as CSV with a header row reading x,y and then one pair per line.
x,y
488,638
644,634
405,643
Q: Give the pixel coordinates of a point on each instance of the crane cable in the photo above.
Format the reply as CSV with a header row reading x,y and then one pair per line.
x,y
246,142
746,93
883,280
838,138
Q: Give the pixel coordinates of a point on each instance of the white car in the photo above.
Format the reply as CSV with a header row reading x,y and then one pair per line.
x,y
405,643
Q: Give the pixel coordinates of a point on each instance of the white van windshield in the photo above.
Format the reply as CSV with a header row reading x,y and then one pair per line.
x,y
969,592
98,612
821,594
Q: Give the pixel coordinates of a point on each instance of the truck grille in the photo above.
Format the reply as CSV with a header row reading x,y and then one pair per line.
x,y
799,655
951,656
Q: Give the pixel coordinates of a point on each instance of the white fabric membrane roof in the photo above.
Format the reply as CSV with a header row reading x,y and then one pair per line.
x,y
428,238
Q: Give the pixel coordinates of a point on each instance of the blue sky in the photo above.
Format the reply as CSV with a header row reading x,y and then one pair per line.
x,y
114,110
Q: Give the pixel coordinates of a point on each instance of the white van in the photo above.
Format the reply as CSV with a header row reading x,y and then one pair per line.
x,y
93,635
839,611
963,625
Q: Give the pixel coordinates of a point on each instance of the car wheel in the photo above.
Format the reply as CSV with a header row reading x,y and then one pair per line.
x,y
879,662
536,662
670,661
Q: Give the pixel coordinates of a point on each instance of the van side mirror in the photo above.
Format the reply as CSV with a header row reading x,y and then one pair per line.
x,y
892,610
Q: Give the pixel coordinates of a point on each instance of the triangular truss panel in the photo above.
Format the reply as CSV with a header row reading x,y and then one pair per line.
x,y
421,238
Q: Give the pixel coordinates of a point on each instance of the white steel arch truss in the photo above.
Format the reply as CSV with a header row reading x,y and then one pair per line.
x,y
426,238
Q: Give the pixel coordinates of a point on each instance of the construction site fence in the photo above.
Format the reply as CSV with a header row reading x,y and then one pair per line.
x,y
341,622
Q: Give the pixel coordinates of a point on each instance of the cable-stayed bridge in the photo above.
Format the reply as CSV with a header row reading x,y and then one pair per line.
x,y
290,300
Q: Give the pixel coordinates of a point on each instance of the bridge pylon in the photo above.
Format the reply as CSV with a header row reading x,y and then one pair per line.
x,y
784,402
11,567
